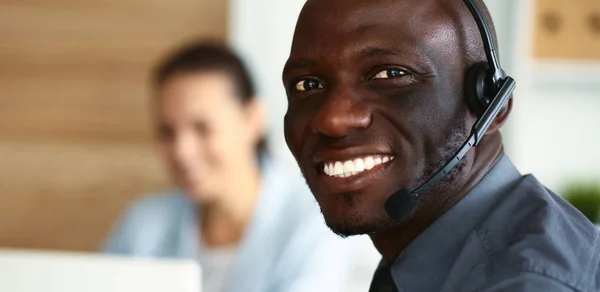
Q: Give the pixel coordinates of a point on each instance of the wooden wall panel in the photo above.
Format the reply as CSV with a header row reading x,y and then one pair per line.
x,y
567,29
67,196
75,136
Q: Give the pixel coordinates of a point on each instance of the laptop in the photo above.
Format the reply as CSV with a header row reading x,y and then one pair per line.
x,y
42,271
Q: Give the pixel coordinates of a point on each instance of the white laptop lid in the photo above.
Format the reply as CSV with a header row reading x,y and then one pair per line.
x,y
28,271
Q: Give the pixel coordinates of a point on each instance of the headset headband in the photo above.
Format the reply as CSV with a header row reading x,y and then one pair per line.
x,y
497,74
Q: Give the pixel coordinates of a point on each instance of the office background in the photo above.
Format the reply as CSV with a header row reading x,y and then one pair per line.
x,y
75,130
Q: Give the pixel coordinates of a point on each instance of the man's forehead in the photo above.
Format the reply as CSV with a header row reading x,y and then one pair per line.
x,y
322,19
347,14
327,26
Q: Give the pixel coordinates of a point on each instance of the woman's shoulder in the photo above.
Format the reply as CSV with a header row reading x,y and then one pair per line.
x,y
156,211
159,202
286,188
291,205
146,221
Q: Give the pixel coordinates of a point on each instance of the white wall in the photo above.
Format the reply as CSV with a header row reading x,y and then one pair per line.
x,y
555,126
560,133
263,36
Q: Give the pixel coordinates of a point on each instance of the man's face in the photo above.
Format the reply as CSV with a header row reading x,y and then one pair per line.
x,y
374,102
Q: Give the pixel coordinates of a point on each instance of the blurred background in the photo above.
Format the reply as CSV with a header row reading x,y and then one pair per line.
x,y
76,141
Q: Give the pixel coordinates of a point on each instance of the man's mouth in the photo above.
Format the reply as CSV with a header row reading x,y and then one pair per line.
x,y
355,166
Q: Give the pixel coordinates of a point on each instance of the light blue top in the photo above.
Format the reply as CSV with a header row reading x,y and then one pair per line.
x,y
508,234
287,247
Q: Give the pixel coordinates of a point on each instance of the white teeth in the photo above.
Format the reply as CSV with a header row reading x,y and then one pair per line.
x,y
348,166
355,166
369,163
359,165
338,168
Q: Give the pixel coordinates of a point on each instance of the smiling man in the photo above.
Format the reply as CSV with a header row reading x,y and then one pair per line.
x,y
378,104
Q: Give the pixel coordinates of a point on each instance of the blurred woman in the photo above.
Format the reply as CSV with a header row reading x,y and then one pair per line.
x,y
249,225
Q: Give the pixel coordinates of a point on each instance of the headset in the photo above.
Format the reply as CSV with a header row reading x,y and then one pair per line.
x,y
487,90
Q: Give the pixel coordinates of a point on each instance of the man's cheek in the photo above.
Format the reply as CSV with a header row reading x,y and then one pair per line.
x,y
294,131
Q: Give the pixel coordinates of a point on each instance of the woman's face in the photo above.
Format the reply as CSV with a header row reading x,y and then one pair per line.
x,y
207,136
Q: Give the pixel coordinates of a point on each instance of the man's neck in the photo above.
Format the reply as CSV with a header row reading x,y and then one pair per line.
x,y
391,242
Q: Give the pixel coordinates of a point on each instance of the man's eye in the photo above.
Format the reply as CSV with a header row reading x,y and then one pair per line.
x,y
390,73
308,84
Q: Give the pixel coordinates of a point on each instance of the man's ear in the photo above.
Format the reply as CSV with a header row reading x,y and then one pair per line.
x,y
501,118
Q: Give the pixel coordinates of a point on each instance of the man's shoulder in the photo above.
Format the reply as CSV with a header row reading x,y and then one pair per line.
x,y
532,230
530,214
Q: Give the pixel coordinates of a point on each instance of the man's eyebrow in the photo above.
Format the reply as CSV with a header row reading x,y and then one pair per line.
x,y
376,51
410,56
298,65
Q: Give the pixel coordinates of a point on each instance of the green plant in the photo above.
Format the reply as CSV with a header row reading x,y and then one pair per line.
x,y
586,198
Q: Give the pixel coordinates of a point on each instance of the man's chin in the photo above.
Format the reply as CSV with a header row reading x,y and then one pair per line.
x,y
354,224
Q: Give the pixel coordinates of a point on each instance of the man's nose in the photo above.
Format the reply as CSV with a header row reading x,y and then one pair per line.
x,y
341,111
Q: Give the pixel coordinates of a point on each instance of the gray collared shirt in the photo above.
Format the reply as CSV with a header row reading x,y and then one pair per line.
x,y
509,233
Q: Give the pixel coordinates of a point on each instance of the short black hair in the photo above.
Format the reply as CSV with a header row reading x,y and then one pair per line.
x,y
210,56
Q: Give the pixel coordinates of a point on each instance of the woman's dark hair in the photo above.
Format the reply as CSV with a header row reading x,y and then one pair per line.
x,y
205,56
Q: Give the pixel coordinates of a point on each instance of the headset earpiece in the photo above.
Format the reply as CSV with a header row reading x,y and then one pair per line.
x,y
478,87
